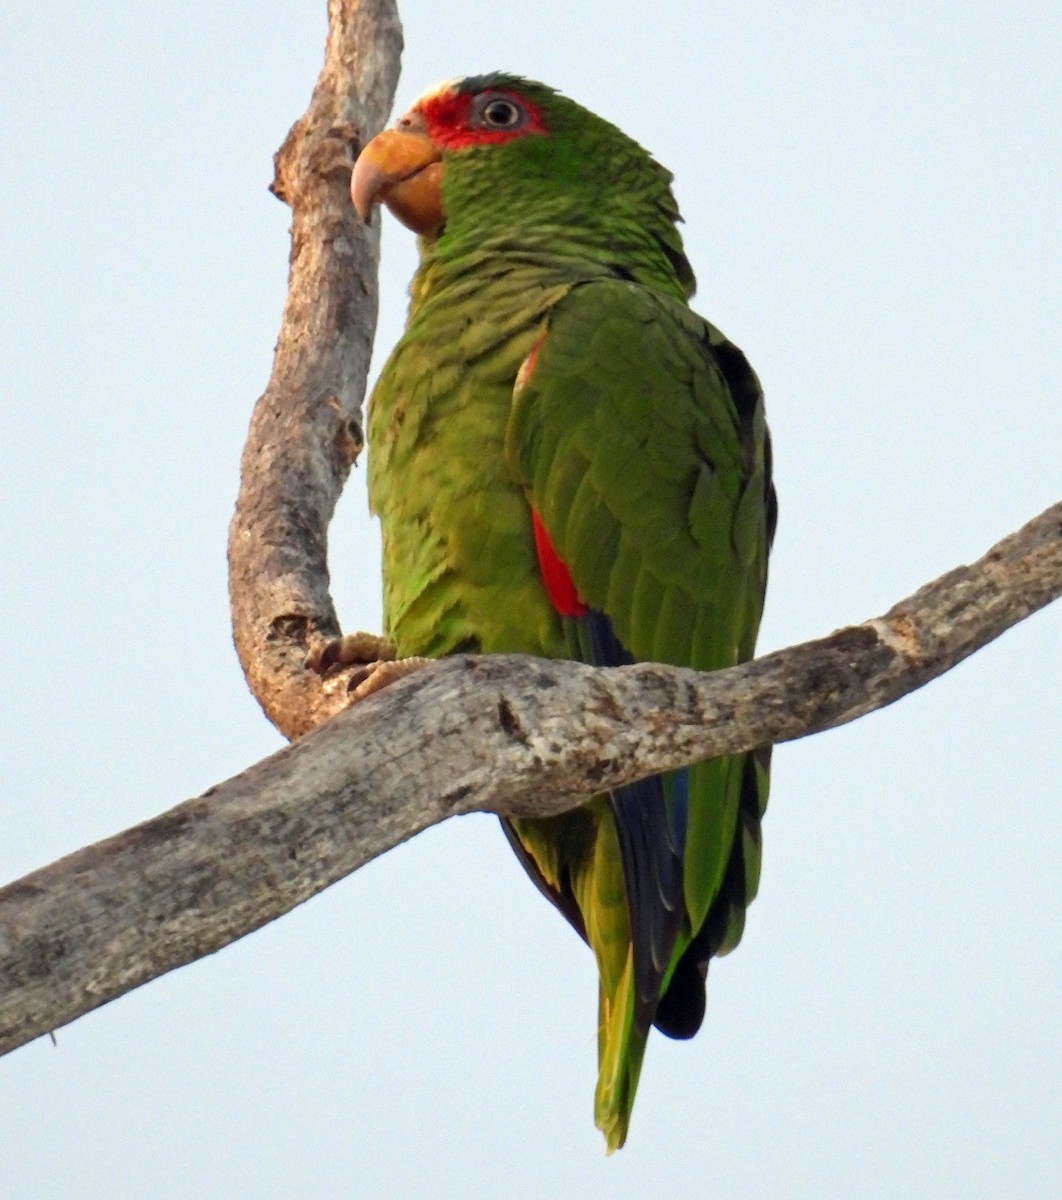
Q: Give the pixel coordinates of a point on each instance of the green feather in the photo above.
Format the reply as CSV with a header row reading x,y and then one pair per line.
x,y
638,436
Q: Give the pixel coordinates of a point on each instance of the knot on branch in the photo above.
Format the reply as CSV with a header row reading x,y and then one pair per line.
x,y
900,634
309,154
349,439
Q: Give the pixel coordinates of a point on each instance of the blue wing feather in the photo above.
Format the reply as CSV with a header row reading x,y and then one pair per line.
x,y
650,821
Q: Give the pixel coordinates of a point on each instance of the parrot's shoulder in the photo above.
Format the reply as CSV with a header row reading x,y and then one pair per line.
x,y
656,359
612,324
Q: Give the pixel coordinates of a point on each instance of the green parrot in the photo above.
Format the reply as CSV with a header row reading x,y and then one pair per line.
x,y
567,461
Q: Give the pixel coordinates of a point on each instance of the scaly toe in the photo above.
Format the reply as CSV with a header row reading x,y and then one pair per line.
x,y
377,675
366,648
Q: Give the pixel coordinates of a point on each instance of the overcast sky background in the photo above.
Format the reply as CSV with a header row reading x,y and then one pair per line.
x,y
872,202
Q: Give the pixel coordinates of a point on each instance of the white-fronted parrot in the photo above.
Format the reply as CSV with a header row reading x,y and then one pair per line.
x,y
567,461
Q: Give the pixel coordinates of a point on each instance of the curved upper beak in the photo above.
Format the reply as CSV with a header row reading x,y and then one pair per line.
x,y
402,167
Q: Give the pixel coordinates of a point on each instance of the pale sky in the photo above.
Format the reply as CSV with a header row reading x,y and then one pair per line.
x,y
871,194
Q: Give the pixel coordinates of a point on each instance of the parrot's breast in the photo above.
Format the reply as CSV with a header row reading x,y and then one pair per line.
x,y
460,567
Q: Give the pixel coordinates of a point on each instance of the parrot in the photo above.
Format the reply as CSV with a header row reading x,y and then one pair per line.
x,y
567,461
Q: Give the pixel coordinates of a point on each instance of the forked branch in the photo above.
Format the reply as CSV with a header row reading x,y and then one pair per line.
x,y
508,735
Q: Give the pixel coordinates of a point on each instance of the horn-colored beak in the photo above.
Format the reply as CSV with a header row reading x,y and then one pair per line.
x,y
403,169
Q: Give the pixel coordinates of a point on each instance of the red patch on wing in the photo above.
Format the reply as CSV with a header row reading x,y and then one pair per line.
x,y
555,575
448,114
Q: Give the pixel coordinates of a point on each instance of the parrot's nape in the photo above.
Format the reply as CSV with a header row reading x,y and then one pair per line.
x,y
567,461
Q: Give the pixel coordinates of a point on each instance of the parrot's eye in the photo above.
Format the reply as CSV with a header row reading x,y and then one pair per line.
x,y
499,112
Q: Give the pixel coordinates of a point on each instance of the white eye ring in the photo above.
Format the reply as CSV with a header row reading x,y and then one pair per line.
x,y
501,113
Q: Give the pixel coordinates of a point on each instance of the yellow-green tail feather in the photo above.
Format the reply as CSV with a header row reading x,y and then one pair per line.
x,y
621,1048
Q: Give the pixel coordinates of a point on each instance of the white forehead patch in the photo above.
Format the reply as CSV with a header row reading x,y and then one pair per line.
x,y
439,89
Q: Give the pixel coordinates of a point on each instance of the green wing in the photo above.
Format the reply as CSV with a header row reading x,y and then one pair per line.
x,y
637,432
640,438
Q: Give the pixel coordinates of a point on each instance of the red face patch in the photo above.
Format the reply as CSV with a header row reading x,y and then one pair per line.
x,y
456,120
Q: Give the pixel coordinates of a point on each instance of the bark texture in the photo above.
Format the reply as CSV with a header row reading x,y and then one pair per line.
x,y
509,735
505,734
306,428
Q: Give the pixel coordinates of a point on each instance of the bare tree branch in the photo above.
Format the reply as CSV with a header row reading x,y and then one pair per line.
x,y
507,734
306,428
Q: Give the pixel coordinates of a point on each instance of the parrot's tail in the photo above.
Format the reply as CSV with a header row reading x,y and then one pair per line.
x,y
621,1048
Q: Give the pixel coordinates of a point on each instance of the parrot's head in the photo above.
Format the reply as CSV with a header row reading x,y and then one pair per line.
x,y
497,160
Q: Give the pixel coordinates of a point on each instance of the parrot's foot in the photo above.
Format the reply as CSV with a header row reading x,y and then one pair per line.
x,y
374,676
366,649
372,656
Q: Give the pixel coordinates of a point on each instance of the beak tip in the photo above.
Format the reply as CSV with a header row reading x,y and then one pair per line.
x,y
367,180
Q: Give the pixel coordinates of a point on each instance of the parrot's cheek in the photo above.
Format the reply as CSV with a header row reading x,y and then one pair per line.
x,y
417,200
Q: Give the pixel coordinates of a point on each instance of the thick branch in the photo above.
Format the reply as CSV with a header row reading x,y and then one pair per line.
x,y
306,428
507,735
510,735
